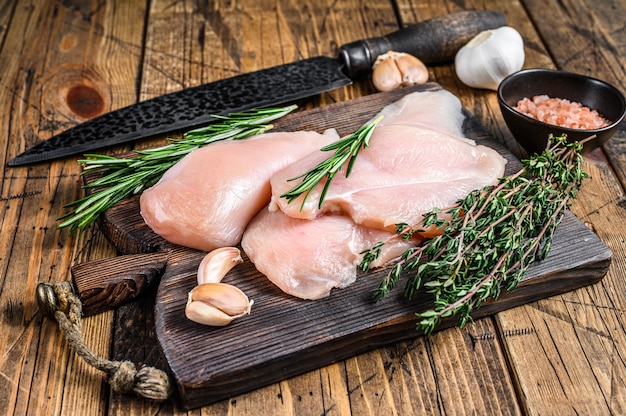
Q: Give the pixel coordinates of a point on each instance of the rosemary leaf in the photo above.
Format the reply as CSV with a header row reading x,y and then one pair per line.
x,y
122,177
346,150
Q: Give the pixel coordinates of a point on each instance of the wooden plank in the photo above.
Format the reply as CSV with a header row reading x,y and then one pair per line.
x,y
212,41
533,362
558,347
579,334
578,258
55,66
615,151
6,12
567,356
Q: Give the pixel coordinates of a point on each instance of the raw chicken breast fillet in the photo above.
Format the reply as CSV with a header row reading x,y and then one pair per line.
x,y
435,110
406,172
306,258
207,199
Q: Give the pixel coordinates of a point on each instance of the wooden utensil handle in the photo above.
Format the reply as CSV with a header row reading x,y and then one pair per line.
x,y
105,284
435,40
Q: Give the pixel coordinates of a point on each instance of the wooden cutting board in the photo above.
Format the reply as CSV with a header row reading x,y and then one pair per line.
x,y
285,336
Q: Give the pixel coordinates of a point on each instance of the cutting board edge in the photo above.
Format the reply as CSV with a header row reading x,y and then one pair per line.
x,y
133,239
193,394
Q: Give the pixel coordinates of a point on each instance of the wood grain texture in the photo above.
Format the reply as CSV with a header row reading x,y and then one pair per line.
x,y
291,336
50,52
568,347
578,335
105,284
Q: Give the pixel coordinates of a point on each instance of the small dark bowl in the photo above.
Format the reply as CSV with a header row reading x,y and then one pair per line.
x,y
593,93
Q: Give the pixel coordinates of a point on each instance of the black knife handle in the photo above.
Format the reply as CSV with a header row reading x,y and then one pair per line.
x,y
433,41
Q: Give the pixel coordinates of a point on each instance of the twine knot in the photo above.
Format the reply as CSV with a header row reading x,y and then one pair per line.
x,y
59,301
123,379
153,383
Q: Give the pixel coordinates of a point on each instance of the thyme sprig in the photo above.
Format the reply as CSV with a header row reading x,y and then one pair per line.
x,y
122,177
489,238
346,150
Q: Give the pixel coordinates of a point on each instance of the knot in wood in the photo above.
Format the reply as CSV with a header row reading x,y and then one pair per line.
x,y
85,101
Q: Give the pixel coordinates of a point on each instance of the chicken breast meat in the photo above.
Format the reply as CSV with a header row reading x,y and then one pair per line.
x,y
208,198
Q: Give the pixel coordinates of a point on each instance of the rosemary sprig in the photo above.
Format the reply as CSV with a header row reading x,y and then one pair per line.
x,y
490,237
121,177
346,150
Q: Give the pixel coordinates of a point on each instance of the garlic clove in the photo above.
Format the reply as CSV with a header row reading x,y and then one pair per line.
x,y
413,71
217,263
393,70
489,57
386,75
225,297
216,304
204,314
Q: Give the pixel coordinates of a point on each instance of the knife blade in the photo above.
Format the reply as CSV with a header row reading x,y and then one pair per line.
x,y
433,41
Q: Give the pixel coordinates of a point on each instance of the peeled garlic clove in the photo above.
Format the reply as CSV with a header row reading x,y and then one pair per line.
x,y
489,57
216,304
393,70
217,263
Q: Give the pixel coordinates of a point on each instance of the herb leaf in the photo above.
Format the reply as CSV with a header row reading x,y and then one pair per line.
x,y
346,150
490,238
122,177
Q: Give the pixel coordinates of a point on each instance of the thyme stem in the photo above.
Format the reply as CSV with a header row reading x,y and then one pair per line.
x,y
490,237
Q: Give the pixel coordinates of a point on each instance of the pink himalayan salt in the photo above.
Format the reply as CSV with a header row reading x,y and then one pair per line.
x,y
561,112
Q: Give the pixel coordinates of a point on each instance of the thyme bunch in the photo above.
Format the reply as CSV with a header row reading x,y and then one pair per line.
x,y
489,238
122,177
346,150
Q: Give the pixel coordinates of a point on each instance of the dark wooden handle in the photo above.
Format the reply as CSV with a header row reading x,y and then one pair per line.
x,y
105,284
433,41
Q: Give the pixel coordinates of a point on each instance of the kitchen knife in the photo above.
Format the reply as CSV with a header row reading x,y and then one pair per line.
x,y
433,41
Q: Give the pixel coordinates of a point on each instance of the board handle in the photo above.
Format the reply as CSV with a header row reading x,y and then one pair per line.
x,y
435,40
105,284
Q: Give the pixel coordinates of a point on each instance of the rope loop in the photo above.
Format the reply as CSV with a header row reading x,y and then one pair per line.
x,y
59,301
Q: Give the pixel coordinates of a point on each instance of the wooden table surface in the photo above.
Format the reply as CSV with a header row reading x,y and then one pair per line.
x,y
62,62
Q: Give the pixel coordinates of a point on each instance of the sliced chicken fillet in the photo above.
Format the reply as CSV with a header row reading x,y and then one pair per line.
x,y
306,258
207,199
406,172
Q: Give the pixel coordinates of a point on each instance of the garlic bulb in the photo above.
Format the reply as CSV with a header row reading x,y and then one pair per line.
x,y
394,70
489,57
